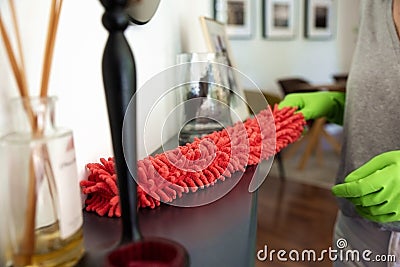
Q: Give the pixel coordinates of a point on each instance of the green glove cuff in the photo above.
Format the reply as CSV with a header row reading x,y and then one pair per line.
x,y
337,113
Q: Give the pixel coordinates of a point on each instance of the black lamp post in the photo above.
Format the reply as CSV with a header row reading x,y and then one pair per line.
x,y
119,77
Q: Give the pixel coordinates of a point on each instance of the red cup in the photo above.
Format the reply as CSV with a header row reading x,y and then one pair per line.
x,y
149,252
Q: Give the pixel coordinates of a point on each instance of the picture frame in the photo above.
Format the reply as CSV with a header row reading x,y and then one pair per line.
x,y
278,19
216,38
236,14
318,19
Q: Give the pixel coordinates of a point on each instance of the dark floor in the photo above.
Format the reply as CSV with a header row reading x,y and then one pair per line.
x,y
300,213
294,216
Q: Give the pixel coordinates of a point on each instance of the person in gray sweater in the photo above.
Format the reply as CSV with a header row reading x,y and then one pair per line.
x,y
367,230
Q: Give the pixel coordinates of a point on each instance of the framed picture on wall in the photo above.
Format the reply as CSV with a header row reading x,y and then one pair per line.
x,y
278,19
215,35
236,14
318,19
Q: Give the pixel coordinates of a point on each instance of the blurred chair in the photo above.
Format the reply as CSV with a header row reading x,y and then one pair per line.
x,y
316,127
340,78
295,85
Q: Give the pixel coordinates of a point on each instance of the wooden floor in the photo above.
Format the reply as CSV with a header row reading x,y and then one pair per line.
x,y
294,216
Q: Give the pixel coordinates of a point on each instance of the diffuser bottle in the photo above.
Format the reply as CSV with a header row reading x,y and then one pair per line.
x,y
43,204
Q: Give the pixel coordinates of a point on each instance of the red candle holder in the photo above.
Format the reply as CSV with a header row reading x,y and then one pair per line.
x,y
149,252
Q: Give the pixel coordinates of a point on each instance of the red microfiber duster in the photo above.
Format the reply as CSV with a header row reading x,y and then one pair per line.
x,y
169,175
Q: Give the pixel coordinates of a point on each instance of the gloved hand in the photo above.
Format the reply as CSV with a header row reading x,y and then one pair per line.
x,y
374,188
317,104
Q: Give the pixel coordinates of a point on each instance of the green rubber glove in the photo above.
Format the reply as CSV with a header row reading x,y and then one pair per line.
x,y
317,105
374,188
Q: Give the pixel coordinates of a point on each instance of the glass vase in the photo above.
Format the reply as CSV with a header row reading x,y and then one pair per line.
x,y
44,208
204,95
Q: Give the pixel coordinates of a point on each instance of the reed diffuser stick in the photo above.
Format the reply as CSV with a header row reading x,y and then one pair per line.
x,y
21,67
48,55
25,257
49,51
19,72
28,240
13,61
19,43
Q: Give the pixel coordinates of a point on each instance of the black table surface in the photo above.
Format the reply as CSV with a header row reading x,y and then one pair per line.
x,y
222,233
